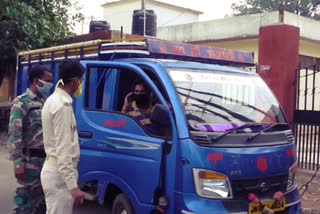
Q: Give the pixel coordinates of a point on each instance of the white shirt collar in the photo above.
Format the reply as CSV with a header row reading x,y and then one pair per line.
x,y
66,97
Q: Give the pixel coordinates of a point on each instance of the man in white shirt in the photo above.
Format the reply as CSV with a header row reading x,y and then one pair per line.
x,y
59,174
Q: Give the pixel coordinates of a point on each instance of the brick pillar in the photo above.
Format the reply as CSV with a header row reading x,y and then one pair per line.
x,y
279,49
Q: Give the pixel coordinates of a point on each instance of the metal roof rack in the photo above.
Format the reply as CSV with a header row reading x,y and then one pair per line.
x,y
145,46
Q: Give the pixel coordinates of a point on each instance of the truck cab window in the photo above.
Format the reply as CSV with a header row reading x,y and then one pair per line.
x,y
122,91
136,99
97,89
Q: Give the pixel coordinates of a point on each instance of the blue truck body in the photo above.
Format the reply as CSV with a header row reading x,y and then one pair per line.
x,y
208,167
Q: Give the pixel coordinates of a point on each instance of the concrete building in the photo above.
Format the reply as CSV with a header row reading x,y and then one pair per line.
x,y
119,13
242,33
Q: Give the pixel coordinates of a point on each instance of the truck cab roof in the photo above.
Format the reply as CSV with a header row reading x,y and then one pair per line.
x,y
169,63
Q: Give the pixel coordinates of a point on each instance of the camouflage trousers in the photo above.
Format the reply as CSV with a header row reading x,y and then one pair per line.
x,y
29,198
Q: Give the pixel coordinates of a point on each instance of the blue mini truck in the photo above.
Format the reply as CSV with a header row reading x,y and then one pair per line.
x,y
222,142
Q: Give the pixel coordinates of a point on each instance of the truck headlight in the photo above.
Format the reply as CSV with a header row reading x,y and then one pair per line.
x,y
211,184
291,178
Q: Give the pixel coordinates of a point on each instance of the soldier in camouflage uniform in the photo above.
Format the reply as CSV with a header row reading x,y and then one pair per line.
x,y
25,142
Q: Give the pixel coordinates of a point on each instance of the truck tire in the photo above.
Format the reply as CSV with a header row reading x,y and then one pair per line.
x,y
122,205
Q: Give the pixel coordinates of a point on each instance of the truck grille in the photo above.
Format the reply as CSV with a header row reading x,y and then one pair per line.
x,y
241,139
290,137
201,139
265,187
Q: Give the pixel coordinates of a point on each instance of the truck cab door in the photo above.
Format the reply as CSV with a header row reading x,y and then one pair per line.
x,y
115,148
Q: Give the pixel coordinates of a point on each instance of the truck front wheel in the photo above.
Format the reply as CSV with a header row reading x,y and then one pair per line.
x,y
122,205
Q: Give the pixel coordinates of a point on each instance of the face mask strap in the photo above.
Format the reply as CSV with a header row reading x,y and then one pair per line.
x,y
58,83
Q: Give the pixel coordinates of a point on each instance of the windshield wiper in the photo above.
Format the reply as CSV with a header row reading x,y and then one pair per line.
x,y
232,130
268,128
220,107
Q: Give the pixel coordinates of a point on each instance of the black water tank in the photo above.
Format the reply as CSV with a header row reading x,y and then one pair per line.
x,y
151,22
99,26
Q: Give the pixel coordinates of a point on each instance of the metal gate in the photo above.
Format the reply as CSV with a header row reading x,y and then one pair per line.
x,y
307,117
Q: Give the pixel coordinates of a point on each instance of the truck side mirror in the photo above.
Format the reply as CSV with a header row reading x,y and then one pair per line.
x,y
160,116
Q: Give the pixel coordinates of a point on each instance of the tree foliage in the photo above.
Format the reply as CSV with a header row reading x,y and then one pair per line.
x,y
307,8
31,24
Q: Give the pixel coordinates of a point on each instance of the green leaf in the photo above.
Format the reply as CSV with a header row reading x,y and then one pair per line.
x,y
30,24
307,8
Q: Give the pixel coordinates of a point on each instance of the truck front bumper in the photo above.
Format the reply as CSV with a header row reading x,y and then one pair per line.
x,y
193,204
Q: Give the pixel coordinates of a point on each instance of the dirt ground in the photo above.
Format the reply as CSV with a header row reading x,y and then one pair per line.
x,y
311,198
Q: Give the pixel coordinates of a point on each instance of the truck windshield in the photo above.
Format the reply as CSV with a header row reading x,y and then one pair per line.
x,y
218,101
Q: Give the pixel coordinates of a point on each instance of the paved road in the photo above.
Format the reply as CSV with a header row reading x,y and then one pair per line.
x,y
8,185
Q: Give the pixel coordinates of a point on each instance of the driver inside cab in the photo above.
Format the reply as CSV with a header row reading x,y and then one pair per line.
x,y
138,104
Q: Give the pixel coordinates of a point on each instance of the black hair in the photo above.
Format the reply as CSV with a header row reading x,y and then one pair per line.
x,y
139,81
37,72
70,69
